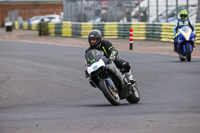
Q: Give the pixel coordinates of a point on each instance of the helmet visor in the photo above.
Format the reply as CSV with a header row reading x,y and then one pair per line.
x,y
183,16
93,41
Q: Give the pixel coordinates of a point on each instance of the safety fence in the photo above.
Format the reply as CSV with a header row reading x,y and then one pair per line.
x,y
141,30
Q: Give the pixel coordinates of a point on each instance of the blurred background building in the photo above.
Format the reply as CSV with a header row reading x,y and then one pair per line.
x,y
97,11
23,10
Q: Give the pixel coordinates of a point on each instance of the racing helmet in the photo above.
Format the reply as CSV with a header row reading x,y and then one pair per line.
x,y
183,15
94,38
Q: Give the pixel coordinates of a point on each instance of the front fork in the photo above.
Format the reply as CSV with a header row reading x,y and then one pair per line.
x,y
184,47
94,81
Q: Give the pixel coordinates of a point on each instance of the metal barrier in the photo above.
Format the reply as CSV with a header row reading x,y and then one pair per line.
x,y
110,30
41,27
51,29
67,29
141,30
167,32
85,29
197,25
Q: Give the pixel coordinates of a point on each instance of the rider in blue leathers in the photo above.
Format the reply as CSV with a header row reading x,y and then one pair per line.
x,y
183,21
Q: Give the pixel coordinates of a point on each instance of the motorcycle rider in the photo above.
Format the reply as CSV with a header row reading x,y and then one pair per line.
x,y
181,22
96,42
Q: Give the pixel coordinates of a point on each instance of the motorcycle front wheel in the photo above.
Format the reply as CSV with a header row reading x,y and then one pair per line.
x,y
188,53
111,95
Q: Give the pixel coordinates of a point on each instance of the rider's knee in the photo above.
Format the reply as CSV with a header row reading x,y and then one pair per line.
x,y
126,67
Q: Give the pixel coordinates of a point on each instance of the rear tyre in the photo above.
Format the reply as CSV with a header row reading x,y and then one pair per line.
x,y
134,97
111,95
188,53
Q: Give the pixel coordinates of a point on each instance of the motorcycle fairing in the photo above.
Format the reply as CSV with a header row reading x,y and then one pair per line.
x,y
186,37
95,66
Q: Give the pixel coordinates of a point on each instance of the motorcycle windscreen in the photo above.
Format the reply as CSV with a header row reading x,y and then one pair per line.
x,y
186,32
185,29
93,56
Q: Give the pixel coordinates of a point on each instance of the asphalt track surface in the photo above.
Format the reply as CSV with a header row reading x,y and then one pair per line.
x,y
43,90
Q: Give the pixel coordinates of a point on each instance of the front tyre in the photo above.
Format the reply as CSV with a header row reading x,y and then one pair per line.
x,y
188,53
134,97
111,95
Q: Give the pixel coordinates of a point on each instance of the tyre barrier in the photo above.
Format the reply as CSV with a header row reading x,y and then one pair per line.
x,y
141,30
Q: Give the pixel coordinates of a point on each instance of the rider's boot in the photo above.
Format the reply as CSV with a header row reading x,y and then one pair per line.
x,y
175,47
175,44
129,77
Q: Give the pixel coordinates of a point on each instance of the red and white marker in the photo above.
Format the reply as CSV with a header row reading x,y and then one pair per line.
x,y
131,39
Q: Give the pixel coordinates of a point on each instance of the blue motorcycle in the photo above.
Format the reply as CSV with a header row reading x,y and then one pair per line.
x,y
185,44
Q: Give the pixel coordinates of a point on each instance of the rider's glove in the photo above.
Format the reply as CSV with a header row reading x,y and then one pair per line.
x,y
176,34
112,57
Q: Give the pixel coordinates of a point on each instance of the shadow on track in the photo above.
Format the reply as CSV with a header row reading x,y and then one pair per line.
x,y
177,61
108,105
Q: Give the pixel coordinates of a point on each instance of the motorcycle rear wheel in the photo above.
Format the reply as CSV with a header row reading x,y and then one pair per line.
x,y
134,97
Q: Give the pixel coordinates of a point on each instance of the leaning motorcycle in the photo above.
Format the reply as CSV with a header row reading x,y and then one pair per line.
x,y
185,45
107,77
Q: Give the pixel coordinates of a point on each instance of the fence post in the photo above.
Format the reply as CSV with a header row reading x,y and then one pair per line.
x,y
157,10
176,9
167,11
